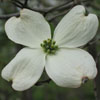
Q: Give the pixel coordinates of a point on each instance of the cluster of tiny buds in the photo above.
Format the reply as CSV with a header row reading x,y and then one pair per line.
x,y
49,46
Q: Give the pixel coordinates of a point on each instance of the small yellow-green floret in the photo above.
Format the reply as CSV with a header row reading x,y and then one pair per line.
x,y
49,46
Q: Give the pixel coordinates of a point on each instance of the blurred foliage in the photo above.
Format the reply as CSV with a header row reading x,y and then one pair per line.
x,y
49,91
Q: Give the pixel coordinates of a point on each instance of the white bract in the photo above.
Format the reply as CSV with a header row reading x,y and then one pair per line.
x,y
65,63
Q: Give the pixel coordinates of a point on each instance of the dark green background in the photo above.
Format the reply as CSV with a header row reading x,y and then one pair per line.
x,y
50,91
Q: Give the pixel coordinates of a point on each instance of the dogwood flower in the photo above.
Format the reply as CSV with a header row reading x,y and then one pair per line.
x,y
65,63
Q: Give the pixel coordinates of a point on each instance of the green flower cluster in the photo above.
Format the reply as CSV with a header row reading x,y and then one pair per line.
x,y
49,46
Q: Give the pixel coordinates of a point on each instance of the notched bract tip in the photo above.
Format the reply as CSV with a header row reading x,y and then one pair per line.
x,y
84,80
21,13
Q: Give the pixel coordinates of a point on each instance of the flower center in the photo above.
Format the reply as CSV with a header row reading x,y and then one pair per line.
x,y
49,46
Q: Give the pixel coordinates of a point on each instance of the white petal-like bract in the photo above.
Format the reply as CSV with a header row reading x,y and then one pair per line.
x,y
30,29
25,69
69,66
76,29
